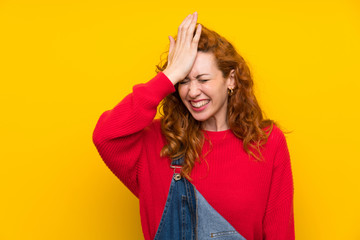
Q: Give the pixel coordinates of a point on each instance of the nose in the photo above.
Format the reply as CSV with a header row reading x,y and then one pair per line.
x,y
194,89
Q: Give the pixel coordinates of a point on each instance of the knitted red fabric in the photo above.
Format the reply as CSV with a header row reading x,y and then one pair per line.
x,y
256,198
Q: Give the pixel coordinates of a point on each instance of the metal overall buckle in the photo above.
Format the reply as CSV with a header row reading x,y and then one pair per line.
x,y
177,176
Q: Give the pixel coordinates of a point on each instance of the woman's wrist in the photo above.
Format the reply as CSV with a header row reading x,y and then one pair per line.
x,y
171,76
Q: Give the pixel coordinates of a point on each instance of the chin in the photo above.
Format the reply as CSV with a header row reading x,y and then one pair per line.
x,y
199,117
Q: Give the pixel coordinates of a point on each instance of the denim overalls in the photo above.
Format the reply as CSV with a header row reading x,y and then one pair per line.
x,y
187,214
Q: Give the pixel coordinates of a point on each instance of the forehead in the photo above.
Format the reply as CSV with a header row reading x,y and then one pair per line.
x,y
204,63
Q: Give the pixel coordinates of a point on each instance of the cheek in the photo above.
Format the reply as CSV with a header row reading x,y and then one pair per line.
x,y
217,93
182,92
213,91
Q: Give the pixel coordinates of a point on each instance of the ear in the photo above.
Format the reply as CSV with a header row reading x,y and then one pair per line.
x,y
231,79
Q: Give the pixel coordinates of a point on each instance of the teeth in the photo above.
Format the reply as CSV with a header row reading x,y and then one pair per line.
x,y
200,104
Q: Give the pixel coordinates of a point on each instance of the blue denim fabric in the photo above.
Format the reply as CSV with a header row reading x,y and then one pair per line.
x,y
211,225
187,215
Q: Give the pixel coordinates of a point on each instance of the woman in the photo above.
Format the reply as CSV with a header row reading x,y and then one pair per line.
x,y
211,167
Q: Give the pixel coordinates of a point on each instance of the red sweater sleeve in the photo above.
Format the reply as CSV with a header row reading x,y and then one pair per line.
x,y
118,132
279,216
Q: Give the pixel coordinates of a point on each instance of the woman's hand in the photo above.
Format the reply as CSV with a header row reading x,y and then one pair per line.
x,y
182,53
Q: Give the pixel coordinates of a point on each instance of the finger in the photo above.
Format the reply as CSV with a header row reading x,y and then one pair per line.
x,y
190,32
185,28
181,27
188,21
197,35
172,43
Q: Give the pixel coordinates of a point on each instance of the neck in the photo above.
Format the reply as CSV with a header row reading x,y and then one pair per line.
x,y
214,125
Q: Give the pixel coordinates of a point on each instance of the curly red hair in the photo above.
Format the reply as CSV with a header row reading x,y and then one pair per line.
x,y
183,133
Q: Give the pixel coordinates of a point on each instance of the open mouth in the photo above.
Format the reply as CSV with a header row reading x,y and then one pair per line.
x,y
199,104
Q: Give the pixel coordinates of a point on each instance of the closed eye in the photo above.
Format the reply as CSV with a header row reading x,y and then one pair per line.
x,y
203,80
184,81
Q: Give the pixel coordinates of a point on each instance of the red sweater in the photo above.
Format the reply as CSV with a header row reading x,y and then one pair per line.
x,y
256,198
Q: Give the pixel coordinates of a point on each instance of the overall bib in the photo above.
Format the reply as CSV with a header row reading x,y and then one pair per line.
x,y
188,216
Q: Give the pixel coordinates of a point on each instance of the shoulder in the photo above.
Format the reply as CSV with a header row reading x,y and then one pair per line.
x,y
155,125
154,130
276,146
276,135
276,140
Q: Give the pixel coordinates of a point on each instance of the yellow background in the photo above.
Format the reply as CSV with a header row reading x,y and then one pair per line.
x,y
62,63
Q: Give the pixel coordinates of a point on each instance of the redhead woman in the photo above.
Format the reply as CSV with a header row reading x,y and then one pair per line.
x,y
211,167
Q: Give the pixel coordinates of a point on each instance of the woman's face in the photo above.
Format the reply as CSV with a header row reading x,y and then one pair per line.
x,y
204,92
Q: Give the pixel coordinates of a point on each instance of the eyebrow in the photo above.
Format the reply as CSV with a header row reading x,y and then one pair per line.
x,y
198,76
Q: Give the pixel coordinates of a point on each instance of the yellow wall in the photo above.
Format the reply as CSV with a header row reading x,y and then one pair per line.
x,y
62,63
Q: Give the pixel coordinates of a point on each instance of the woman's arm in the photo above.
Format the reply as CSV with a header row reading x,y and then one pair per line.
x,y
279,216
118,135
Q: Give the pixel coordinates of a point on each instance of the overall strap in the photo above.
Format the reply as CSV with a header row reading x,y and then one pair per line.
x,y
177,164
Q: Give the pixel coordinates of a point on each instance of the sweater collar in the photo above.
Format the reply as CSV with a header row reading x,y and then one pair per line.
x,y
220,135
